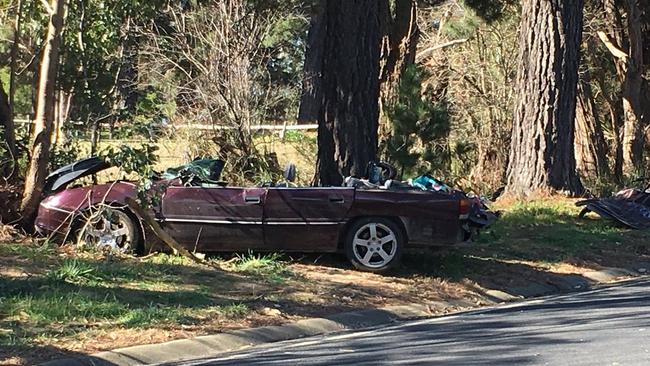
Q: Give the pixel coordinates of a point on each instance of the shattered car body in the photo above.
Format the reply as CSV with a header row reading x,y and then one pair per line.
x,y
630,207
372,225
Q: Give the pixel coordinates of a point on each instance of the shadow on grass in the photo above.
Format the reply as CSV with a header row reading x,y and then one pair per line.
x,y
80,296
553,233
516,254
33,355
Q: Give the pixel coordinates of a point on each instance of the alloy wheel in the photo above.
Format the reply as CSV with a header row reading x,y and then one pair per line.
x,y
109,229
374,245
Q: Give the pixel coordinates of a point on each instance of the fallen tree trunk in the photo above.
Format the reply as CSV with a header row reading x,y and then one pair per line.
x,y
161,233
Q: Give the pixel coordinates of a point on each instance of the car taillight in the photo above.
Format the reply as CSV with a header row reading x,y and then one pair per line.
x,y
465,207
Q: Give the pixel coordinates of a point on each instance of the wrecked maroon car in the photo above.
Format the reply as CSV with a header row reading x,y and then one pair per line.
x,y
372,222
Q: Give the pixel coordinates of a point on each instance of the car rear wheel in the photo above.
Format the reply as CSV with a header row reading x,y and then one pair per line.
x,y
374,244
110,229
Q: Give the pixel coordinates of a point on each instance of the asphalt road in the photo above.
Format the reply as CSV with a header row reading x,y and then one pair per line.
x,y
608,326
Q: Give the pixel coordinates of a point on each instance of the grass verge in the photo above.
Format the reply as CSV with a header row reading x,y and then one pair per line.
x,y
55,302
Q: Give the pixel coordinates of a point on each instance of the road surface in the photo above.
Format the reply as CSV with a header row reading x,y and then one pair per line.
x,y
607,326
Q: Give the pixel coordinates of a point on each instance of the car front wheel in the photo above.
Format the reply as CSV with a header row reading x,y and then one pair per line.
x,y
374,244
110,228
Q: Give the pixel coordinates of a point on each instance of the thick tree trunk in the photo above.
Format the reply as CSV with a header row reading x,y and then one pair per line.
x,y
348,118
44,119
398,46
542,153
311,96
590,146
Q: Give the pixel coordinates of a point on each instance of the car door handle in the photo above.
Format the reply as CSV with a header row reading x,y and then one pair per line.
x,y
337,199
253,200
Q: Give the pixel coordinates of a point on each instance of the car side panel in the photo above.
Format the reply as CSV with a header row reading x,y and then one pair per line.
x,y
429,218
214,219
306,219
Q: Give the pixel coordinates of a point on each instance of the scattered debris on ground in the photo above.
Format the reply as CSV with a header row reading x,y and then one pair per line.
x,y
630,207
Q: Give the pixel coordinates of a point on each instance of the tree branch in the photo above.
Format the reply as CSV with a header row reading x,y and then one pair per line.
x,y
162,234
48,7
612,47
424,52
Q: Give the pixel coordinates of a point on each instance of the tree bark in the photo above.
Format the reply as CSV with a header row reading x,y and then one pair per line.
x,y
590,146
10,128
6,120
398,45
348,117
542,153
632,106
629,60
44,119
311,95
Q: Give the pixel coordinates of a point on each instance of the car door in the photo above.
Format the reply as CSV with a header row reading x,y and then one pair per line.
x,y
215,218
305,219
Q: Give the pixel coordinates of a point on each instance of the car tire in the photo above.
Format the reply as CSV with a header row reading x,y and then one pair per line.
x,y
374,244
110,228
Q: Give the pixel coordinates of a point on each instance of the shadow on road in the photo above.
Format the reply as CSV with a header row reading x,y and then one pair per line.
x,y
508,335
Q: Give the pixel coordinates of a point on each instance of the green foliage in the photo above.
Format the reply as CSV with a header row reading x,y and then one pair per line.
x,y
72,271
268,266
489,10
79,295
139,161
300,137
32,252
64,154
99,54
236,310
463,27
550,230
23,96
420,127
131,159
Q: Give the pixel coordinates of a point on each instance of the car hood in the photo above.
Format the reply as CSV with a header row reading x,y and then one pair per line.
x,y
60,178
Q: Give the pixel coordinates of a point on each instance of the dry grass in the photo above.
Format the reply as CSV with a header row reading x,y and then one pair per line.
x,y
297,147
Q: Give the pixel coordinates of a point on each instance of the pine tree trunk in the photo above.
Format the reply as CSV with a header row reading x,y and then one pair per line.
x,y
44,119
590,146
542,153
348,118
398,45
311,95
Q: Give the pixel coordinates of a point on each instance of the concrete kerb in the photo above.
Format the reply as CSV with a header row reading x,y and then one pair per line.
x,y
184,349
202,346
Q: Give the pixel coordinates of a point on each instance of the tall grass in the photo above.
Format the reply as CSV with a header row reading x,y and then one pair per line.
x,y
269,266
